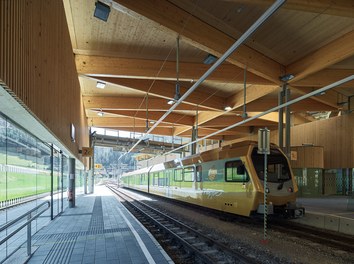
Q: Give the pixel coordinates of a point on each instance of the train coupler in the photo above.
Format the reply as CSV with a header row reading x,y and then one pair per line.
x,y
292,211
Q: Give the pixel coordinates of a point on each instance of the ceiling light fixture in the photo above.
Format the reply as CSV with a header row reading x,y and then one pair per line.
x,y
102,11
287,77
209,59
227,108
100,113
100,85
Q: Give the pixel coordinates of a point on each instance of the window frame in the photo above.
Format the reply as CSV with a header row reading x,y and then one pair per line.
x,y
193,173
247,178
175,174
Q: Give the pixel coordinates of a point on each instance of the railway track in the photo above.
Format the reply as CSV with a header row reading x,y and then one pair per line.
x,y
323,237
186,243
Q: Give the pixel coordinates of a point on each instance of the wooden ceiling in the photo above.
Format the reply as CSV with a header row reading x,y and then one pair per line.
x,y
134,52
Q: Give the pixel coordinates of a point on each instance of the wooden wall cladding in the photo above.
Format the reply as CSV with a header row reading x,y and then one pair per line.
x,y
37,65
336,135
307,157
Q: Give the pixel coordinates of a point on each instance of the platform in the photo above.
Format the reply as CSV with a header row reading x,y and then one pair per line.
x,y
335,213
98,230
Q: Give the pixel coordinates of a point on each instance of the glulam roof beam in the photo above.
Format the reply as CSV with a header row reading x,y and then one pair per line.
x,y
203,36
326,56
131,103
101,66
163,131
167,90
224,121
253,93
270,102
172,118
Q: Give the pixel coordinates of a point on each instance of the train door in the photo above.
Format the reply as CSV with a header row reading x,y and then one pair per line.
x,y
199,178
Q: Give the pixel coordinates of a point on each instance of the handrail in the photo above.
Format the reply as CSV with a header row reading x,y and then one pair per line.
x,y
30,218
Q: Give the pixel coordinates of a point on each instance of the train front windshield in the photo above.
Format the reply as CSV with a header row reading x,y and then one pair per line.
x,y
277,169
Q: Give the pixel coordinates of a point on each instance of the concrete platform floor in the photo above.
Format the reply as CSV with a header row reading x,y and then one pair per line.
x,y
98,230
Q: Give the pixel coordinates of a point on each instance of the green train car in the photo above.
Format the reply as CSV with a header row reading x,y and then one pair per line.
x,y
229,179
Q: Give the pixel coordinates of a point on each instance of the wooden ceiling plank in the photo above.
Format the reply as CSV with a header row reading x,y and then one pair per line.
x,y
324,57
204,36
104,66
343,8
325,77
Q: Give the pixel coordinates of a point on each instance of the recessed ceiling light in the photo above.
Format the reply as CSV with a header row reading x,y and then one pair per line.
x,y
100,85
102,11
100,113
227,108
152,122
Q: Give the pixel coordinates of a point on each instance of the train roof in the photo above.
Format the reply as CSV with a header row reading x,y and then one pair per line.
x,y
239,149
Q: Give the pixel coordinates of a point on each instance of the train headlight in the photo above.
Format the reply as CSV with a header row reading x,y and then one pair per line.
x,y
267,190
290,189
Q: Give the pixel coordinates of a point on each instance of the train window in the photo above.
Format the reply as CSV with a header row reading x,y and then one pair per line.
x,y
199,173
162,179
188,174
178,175
235,171
155,179
277,170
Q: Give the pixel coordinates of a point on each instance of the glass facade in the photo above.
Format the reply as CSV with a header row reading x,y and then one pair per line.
x,y
31,172
314,182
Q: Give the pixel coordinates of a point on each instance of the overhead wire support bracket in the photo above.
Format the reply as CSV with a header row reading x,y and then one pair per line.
x,y
244,113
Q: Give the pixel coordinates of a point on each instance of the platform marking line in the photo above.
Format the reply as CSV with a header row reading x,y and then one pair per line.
x,y
138,239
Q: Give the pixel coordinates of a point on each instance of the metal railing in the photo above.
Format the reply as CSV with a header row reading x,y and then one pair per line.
x,y
30,218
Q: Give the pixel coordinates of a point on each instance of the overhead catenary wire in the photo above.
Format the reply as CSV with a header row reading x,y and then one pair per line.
x,y
328,87
248,33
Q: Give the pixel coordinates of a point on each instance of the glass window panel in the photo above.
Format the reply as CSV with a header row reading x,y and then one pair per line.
x,y
178,175
188,174
235,171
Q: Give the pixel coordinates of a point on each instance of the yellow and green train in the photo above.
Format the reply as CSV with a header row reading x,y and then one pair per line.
x,y
229,179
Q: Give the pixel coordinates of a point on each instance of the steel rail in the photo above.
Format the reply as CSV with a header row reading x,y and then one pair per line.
x,y
189,247
238,43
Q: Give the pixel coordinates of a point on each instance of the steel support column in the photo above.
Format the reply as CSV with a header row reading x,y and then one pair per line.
x,y
71,187
287,120
194,138
281,115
